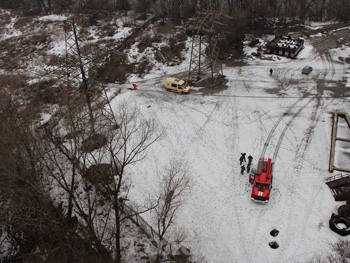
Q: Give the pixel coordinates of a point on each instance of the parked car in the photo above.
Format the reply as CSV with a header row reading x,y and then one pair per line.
x,y
177,85
306,70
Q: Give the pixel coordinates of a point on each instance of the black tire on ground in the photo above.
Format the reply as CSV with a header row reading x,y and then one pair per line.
x,y
273,244
348,202
343,211
333,225
274,232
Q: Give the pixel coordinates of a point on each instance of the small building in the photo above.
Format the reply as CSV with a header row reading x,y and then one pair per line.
x,y
285,46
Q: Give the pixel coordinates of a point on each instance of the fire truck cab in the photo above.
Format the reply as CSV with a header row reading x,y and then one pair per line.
x,y
262,181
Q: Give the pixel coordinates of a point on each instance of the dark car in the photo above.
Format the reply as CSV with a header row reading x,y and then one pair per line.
x,y
306,70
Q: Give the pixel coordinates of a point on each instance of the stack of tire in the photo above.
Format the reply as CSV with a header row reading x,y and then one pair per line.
x,y
344,210
340,223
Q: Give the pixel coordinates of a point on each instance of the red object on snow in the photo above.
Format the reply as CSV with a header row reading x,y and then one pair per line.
x,y
135,86
262,181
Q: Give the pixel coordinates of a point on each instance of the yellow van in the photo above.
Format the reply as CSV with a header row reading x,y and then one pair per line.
x,y
177,85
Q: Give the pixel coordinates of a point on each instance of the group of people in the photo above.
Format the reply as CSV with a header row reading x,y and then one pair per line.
x,y
243,160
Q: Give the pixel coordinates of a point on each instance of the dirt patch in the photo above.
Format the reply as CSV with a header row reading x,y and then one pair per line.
x,y
208,88
332,37
273,91
324,43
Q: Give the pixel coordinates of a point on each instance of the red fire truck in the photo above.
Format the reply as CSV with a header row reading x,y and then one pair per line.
x,y
262,181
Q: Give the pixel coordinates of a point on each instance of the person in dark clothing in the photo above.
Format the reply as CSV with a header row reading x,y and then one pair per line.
x,y
240,160
271,71
248,167
243,156
242,169
250,159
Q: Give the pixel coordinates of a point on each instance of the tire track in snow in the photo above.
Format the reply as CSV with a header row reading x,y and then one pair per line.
x,y
200,130
262,124
245,241
237,183
292,184
298,183
267,209
286,127
269,137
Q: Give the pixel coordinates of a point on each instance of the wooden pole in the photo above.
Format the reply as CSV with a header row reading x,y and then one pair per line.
x,y
334,134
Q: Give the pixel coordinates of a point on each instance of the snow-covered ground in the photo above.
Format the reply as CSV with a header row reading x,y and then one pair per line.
x,y
208,133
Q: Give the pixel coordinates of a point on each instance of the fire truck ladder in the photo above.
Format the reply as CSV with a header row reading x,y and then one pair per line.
x,y
264,165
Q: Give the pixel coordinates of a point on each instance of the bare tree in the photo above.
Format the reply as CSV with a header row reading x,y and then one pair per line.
x,y
93,179
127,145
31,224
340,252
18,174
171,197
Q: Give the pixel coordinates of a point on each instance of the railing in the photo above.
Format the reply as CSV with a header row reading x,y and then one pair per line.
x,y
139,221
336,177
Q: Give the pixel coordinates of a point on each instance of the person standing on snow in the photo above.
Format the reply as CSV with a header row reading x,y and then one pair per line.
x,y
250,159
240,160
248,167
135,86
243,157
242,169
271,71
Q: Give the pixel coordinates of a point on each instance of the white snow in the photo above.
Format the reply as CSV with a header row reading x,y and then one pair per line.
x,y
52,17
209,132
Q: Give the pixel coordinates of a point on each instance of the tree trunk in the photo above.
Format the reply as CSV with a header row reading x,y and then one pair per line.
x,y
117,228
70,201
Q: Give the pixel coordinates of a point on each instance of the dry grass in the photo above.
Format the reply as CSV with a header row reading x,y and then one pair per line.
x,y
12,82
24,23
43,92
115,69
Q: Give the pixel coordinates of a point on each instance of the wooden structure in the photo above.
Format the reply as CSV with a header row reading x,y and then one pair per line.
x,y
285,46
340,186
334,138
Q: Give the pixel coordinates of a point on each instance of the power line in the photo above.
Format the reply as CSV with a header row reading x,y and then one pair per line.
x,y
258,96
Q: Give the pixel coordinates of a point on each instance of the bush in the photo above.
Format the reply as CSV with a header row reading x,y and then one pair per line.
x,y
340,252
94,142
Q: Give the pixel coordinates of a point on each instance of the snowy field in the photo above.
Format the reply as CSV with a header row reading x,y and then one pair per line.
x,y
287,115
208,133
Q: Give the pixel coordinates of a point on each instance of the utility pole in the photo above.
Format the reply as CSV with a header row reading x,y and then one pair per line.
x,y
77,74
84,79
81,71
204,51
